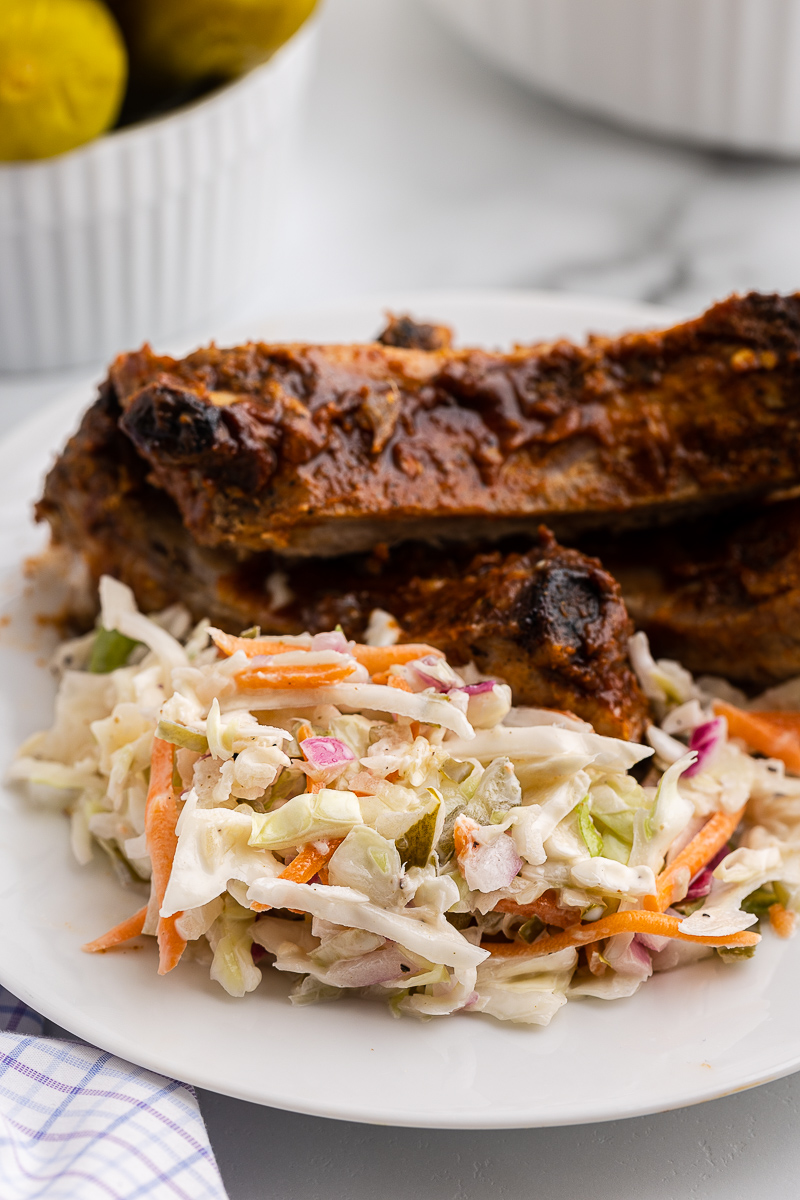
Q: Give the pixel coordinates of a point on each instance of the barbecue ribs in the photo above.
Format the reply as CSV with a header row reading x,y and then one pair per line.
x,y
551,622
195,479
722,595
326,450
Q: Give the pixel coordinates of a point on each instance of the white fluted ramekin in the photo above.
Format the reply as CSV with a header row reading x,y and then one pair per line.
x,y
146,232
720,72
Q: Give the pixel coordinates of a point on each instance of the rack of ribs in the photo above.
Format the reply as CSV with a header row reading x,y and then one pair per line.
x,y
327,450
721,595
224,479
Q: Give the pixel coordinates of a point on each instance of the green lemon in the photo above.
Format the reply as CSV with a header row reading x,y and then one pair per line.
x,y
63,68
190,41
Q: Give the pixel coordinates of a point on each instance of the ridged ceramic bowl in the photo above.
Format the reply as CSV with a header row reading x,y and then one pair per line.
x,y
148,231
721,72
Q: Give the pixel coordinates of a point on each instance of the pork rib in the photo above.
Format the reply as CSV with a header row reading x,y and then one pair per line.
x,y
722,596
551,621
325,450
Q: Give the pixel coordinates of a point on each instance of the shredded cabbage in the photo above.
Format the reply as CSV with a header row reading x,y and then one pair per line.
x,y
376,841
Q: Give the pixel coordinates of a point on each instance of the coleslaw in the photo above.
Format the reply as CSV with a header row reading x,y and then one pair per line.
x,y
375,823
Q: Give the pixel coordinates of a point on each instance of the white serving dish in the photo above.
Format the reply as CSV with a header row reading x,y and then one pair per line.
x,y
721,72
151,230
688,1035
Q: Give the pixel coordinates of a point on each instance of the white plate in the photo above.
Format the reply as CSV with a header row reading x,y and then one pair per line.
x,y
688,1036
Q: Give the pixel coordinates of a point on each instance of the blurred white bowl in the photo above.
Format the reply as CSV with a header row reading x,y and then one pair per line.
x,y
720,72
146,232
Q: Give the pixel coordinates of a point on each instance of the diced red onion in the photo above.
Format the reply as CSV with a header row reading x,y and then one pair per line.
x,y
379,966
438,674
701,884
489,706
652,941
429,681
335,640
628,959
491,866
705,740
477,689
471,1000
323,752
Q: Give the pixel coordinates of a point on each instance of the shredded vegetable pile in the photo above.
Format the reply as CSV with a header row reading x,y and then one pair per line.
x,y
374,823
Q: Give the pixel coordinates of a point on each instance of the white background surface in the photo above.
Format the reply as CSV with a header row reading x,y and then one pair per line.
x,y
420,167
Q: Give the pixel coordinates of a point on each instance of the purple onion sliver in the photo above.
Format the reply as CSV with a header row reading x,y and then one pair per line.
x,y
700,886
335,640
477,689
429,680
704,740
651,941
326,752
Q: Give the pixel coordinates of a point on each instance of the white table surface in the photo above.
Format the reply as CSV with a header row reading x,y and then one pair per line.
x,y
420,167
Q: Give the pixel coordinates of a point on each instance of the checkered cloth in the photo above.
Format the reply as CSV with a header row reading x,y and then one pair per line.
x,y
75,1122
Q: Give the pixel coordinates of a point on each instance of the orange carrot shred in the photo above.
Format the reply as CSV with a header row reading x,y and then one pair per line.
x,y
304,866
546,908
776,739
273,675
160,819
781,920
633,921
131,927
380,658
252,646
692,858
784,720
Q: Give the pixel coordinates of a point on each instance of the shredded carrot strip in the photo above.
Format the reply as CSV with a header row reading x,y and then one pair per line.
x,y
546,908
634,921
781,920
393,681
303,867
131,927
692,858
160,819
275,676
252,646
380,658
462,836
375,658
308,862
777,739
784,720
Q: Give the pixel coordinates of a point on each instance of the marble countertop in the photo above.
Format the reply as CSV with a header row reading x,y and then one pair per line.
x,y
421,167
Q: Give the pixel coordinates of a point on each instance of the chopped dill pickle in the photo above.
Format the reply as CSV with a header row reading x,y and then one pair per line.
x,y
179,735
760,901
731,954
111,650
457,771
531,929
416,844
253,632
459,920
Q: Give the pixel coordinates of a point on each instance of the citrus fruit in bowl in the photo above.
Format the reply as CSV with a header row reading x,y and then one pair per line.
x,y
188,42
63,70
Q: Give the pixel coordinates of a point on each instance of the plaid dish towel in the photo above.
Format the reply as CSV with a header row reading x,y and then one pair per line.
x,y
76,1122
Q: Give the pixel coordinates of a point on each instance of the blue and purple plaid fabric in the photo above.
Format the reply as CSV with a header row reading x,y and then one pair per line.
x,y
76,1122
